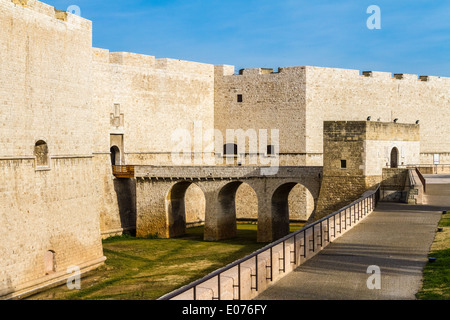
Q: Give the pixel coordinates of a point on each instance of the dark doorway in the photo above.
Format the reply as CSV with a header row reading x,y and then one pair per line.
x,y
115,156
394,158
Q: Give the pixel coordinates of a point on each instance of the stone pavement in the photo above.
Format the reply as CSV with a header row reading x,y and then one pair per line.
x,y
396,237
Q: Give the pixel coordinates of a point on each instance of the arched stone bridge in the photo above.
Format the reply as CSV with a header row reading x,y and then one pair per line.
x,y
160,192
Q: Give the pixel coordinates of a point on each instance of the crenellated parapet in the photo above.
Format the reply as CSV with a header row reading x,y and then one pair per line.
x,y
143,61
224,70
48,10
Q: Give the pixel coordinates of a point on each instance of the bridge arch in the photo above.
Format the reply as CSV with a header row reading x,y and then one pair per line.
x,y
282,202
177,206
231,198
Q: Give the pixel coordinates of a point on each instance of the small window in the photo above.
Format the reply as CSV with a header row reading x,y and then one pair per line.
x,y
41,154
49,262
230,149
239,98
271,150
343,164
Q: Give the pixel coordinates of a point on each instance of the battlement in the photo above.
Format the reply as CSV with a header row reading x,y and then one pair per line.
x,y
48,10
371,130
268,71
397,76
147,61
330,72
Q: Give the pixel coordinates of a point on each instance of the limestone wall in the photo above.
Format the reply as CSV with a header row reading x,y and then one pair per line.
x,y
297,100
355,153
45,85
142,101
46,211
155,96
270,100
338,94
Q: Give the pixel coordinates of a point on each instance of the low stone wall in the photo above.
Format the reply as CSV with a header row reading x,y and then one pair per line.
x,y
416,188
434,169
246,278
394,183
402,185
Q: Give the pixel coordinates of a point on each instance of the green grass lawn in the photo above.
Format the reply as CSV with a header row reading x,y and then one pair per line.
x,y
436,281
145,269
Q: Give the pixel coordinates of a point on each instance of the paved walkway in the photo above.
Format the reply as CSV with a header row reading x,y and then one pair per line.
x,y
396,237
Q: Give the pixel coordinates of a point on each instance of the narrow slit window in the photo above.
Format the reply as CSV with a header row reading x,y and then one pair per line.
x,y
240,98
343,164
270,150
230,149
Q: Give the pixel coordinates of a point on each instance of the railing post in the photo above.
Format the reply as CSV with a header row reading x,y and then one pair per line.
x,y
218,287
350,224
271,265
295,249
361,212
328,230
304,243
256,273
354,213
321,234
364,206
334,228
345,219
239,280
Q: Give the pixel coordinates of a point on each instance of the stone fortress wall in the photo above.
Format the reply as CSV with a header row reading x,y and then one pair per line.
x,y
139,101
66,103
49,203
297,100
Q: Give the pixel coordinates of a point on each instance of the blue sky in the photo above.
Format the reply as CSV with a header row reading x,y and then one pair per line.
x,y
414,35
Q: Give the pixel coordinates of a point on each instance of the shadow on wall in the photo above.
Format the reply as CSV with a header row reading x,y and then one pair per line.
x,y
126,197
332,200
394,185
394,188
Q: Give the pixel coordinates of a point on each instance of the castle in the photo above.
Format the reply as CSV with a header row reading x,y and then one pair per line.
x,y
68,112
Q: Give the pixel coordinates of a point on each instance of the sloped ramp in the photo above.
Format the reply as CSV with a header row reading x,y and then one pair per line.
x,y
396,237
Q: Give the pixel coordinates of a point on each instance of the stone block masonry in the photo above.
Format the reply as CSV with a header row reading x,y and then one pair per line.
x,y
49,213
161,208
65,104
297,100
355,153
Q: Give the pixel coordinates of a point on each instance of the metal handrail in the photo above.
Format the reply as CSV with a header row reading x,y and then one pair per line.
x,y
362,203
